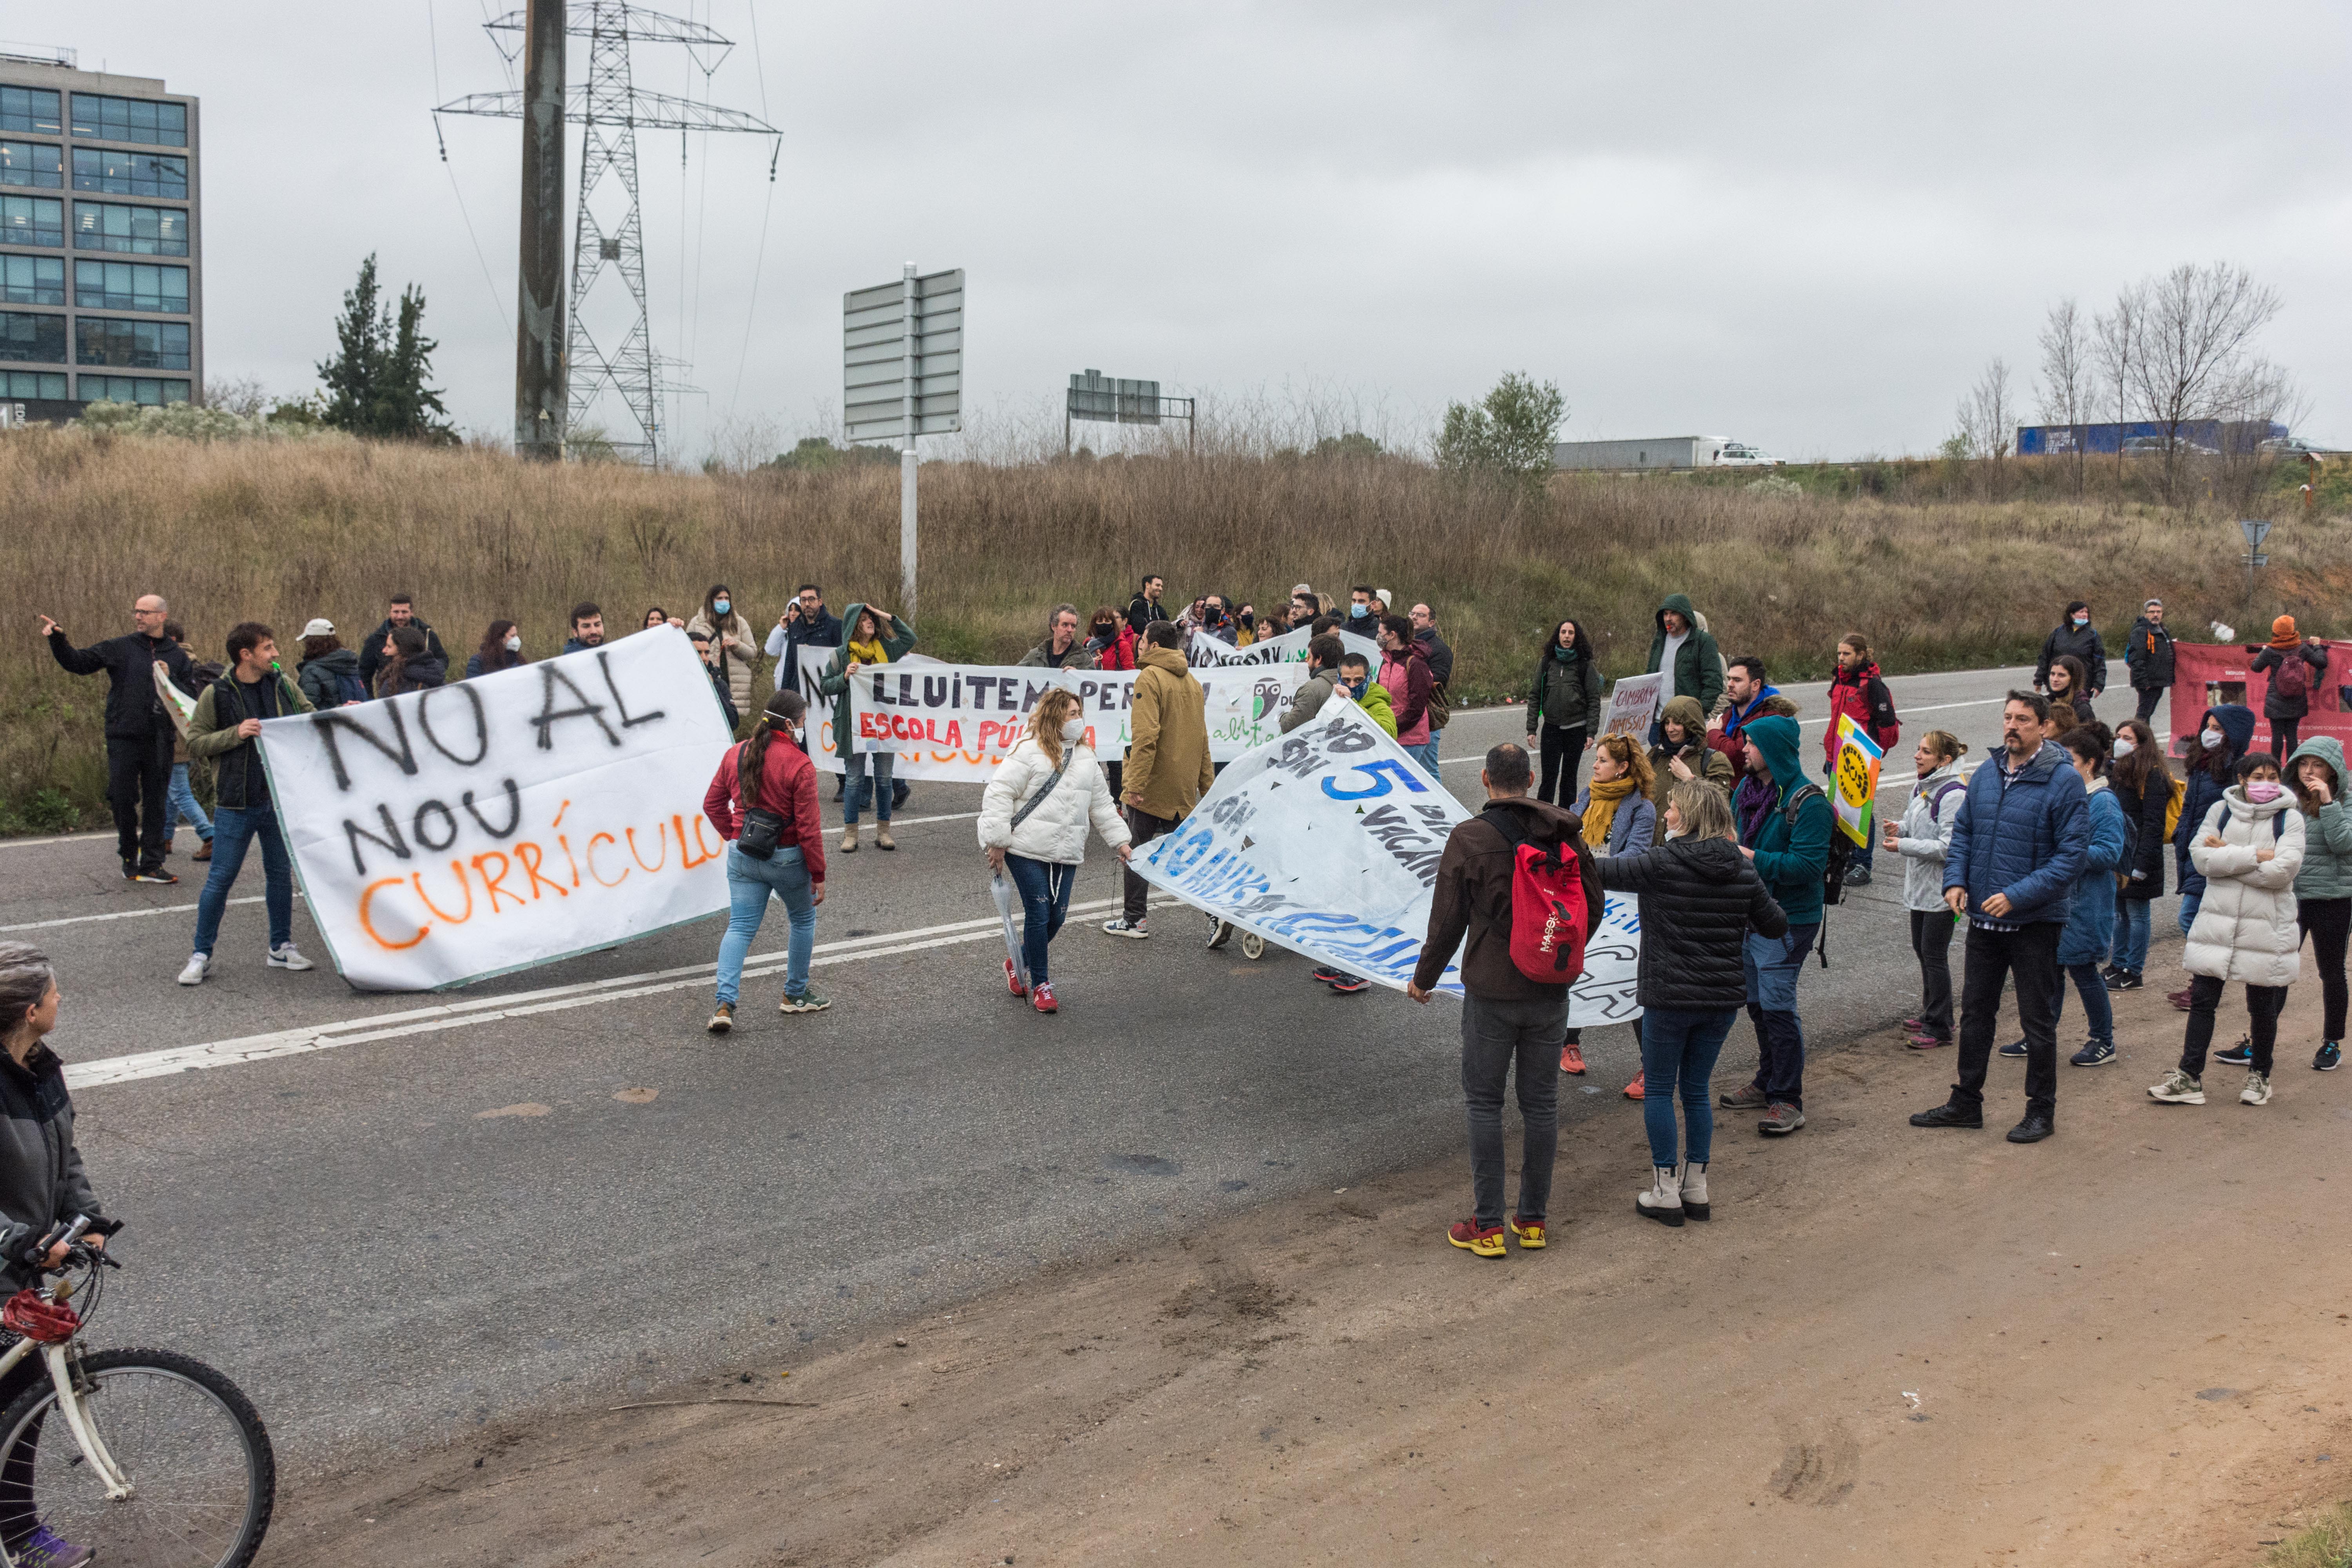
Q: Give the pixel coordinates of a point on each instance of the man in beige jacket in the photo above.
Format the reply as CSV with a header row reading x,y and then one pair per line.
x,y
1167,756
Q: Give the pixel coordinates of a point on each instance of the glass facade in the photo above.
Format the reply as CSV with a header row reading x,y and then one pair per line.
x,y
36,280
130,344
32,220
147,389
129,286
36,163
138,119
32,384
121,173
26,336
141,231
33,109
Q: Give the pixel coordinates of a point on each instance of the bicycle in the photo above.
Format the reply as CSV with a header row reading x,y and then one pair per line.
x,y
169,1465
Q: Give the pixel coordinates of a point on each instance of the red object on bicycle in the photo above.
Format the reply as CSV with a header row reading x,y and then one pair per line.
x,y
45,1323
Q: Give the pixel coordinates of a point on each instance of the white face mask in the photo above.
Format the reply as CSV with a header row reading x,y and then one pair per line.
x,y
2123,748
2208,738
514,644
1072,731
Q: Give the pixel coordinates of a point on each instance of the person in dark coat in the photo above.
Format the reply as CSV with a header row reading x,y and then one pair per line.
x,y
403,613
1145,608
2287,701
2077,636
1700,898
139,733
1511,1026
408,664
2223,735
2143,785
2148,655
1564,708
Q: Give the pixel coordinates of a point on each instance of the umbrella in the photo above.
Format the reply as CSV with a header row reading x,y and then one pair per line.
x,y
1000,887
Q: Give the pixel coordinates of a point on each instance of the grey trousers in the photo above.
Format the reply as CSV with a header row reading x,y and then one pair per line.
x,y
1496,1035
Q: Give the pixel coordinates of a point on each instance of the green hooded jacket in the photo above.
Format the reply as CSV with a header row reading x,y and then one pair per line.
x,y
2328,832
1791,860
1699,663
898,641
1375,702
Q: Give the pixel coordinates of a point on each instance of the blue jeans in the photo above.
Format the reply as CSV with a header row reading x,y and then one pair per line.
x,y
1773,963
2094,992
866,770
183,806
233,830
749,883
1678,1051
1044,904
2188,903
1426,753
2130,951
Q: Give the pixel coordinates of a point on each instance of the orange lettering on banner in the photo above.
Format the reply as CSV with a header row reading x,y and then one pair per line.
x,y
456,870
685,860
495,884
530,853
565,839
604,839
661,839
367,920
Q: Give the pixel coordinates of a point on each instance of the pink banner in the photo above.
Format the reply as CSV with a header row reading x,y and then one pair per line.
x,y
2210,674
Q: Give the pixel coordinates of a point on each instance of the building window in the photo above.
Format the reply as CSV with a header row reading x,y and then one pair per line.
x,y
127,286
32,220
148,389
141,231
133,346
34,280
129,119
121,173
41,339
33,109
34,164
48,383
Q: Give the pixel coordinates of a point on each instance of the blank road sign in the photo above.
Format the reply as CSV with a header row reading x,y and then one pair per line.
x,y
875,353
2256,530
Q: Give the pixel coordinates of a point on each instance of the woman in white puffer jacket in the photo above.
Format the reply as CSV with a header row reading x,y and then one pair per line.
x,y
1043,850
2248,849
1923,838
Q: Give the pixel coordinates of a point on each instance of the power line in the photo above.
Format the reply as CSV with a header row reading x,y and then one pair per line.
x,y
767,209
432,31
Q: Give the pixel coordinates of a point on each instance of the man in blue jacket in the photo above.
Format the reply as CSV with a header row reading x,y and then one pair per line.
x,y
2018,844
1788,842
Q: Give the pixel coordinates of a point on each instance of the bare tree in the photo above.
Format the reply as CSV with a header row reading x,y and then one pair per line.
x,y
1988,419
244,395
2114,336
2193,346
2257,398
2068,382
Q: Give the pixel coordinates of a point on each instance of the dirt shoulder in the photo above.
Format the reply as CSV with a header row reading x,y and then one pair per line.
x,y
2126,1346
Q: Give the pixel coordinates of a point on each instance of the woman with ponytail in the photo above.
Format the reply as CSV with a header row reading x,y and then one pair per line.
x,y
764,802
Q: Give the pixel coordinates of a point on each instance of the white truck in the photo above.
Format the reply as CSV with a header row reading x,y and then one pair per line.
x,y
1665,452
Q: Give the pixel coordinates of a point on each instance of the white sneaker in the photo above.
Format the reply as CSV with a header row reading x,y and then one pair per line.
x,y
2257,1091
2177,1089
286,957
194,974
1122,926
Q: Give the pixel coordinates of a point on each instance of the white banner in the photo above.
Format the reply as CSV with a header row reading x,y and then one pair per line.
x,y
957,722
1634,704
1328,844
522,817
1290,648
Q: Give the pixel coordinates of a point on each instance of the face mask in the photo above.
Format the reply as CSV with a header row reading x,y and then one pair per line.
x,y
2262,792
514,644
2081,621
1358,612
1072,731
2208,738
721,605
800,736
1563,654
2123,748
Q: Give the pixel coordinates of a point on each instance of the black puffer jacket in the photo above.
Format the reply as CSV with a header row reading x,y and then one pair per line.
x,y
41,1178
134,711
1700,898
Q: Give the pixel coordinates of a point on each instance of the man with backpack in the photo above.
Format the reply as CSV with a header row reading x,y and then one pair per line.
x,y
1793,843
1501,871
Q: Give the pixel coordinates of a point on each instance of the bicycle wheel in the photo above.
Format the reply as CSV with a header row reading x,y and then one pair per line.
x,y
204,1479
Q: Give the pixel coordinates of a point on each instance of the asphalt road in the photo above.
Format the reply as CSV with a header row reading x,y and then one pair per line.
x,y
393,1217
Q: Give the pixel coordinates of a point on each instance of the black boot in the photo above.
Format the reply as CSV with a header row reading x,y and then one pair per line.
x,y
2033,1129
1949,1114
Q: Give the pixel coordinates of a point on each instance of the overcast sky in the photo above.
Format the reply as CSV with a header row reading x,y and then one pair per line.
x,y
1803,225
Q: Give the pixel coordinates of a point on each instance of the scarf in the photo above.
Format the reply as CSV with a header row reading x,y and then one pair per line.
x,y
1602,796
869,652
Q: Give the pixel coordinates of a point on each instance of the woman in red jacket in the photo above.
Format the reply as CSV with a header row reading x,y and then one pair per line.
x,y
762,800
1856,691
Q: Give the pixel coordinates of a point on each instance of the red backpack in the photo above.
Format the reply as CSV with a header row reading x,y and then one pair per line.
x,y
1548,919
2293,676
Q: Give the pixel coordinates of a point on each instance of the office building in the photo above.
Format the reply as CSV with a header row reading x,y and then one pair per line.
x,y
101,278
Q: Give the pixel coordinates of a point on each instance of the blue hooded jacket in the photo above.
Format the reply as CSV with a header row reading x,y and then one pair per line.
x,y
1790,860
2237,722
2091,920
2027,838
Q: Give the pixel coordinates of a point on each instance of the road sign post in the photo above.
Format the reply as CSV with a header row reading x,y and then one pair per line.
x,y
2256,530
902,375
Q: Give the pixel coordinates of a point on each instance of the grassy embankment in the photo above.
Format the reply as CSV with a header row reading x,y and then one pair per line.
x,y
1934,568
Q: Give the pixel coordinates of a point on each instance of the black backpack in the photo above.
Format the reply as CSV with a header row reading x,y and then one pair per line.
x,y
1834,869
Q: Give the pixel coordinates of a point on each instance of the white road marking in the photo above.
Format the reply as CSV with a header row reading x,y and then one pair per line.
x,y
126,914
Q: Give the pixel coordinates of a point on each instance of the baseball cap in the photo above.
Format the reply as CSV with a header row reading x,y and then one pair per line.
x,y
319,627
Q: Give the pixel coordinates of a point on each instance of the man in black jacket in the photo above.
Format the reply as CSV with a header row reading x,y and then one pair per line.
x,y
403,614
1440,653
805,623
227,718
2077,636
139,732
1144,608
2148,656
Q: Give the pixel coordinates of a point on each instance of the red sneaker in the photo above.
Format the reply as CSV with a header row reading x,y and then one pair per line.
x,y
1571,1060
1042,998
1923,1041
1634,1089
1483,1240
1012,981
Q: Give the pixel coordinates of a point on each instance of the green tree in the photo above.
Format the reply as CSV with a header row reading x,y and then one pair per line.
x,y
1508,434
353,374
375,383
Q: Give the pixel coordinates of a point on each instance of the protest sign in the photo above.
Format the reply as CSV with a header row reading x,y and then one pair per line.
x,y
1858,759
2208,675
460,832
1633,703
1290,648
1327,842
178,704
957,722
